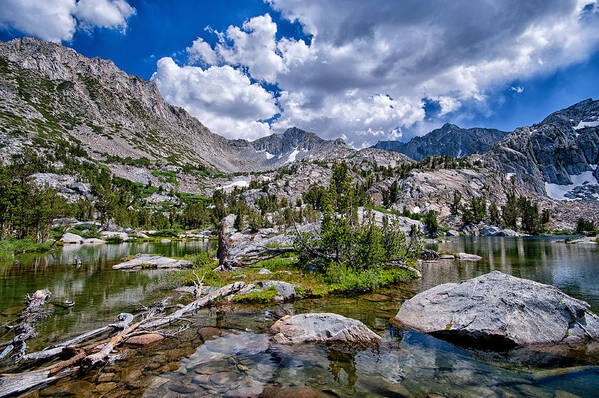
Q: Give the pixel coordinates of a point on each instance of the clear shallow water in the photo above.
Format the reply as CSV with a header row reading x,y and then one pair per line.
x,y
99,292
227,352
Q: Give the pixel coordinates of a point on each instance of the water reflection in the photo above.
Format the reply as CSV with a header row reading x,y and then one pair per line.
x,y
239,359
571,268
404,363
98,291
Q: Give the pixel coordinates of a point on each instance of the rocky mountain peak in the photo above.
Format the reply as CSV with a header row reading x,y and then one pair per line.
x,y
114,115
449,139
558,156
581,115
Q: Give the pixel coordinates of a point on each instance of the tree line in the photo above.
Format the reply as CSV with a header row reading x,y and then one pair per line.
x,y
519,212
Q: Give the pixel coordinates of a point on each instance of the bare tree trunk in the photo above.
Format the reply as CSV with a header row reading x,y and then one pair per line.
x,y
223,249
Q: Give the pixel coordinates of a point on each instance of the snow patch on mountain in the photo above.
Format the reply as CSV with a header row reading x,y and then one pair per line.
x,y
292,156
583,125
585,181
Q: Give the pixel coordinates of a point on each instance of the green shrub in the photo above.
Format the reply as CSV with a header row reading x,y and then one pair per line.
x,y
91,232
114,239
169,232
584,225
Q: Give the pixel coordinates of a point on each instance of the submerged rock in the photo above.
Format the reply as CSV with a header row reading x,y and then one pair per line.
x,y
500,308
145,339
281,392
467,257
149,261
321,328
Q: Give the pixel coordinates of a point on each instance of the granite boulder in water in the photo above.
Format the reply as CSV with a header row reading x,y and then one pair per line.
x,y
321,328
149,261
500,308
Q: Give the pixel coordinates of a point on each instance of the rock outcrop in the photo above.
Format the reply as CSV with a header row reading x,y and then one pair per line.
x,y
148,261
499,308
555,156
321,328
108,112
467,257
285,290
496,231
70,238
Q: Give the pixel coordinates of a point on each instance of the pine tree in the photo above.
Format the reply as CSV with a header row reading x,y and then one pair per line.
x,y
456,204
509,212
430,221
494,214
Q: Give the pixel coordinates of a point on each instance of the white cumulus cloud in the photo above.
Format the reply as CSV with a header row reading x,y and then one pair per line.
x,y
366,67
221,97
57,20
111,14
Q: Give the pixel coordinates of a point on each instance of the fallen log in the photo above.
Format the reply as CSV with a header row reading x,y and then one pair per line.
x,y
21,382
24,329
402,265
11,384
195,305
52,351
94,359
96,353
263,253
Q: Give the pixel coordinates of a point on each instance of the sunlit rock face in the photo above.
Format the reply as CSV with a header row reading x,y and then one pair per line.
x,y
500,308
558,156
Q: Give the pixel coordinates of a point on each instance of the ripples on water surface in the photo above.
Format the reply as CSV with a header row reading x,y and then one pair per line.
x,y
228,353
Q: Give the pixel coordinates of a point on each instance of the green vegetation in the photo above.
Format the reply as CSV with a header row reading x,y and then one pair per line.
x,y
91,232
584,225
357,256
12,246
431,224
517,213
261,296
342,278
26,209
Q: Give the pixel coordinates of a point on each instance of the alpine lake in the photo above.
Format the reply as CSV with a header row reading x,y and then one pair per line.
x,y
227,351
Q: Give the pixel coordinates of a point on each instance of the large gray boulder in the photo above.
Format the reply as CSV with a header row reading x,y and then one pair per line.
x,y
467,257
70,238
500,307
321,328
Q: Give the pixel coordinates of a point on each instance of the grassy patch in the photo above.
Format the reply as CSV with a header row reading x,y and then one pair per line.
x,y
262,296
337,279
11,247
346,279
114,239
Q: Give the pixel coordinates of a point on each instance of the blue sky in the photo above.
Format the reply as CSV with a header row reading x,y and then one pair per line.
x,y
383,70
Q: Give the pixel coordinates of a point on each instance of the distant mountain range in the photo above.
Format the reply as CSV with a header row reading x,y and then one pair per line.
x,y
52,96
448,140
